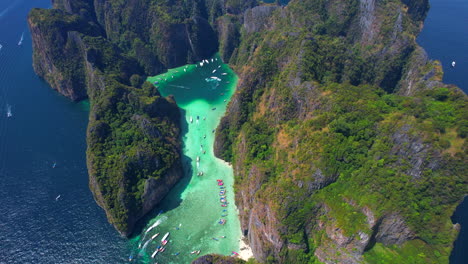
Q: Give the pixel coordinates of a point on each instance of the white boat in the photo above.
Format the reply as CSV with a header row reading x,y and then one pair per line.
x,y
213,71
223,73
198,158
9,114
154,254
215,78
201,64
54,165
211,60
453,64
1,46
191,120
21,39
153,237
185,70
165,236
57,198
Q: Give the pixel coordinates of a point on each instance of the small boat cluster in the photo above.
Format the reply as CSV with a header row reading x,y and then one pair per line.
x,y
160,248
222,193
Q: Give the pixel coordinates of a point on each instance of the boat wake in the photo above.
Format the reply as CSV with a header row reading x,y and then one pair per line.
x,y
9,114
6,10
20,42
180,86
162,219
213,81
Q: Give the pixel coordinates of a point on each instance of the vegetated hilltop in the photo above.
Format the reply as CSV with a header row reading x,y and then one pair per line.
x,y
346,146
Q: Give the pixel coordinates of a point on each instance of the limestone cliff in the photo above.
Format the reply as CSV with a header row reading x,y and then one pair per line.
x,y
323,173
103,50
346,146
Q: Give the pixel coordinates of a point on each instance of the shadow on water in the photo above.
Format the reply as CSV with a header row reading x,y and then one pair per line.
x,y
173,199
460,216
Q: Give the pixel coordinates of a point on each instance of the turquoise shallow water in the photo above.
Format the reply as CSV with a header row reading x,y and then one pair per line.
x,y
192,211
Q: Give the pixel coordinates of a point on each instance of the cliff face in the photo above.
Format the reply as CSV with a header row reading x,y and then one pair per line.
x,y
346,146
339,153
133,151
102,50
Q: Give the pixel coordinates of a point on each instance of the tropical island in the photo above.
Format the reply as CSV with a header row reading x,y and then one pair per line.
x,y
346,146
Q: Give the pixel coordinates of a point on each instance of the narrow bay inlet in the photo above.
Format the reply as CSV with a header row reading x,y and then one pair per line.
x,y
200,212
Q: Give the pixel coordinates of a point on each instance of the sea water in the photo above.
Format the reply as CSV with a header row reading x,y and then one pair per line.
x,y
445,38
193,208
45,128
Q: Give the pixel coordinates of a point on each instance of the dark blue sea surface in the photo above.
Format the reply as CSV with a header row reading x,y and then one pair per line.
x,y
45,128
445,38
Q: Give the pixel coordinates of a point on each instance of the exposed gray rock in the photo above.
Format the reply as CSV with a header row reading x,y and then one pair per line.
x,y
410,149
255,19
393,230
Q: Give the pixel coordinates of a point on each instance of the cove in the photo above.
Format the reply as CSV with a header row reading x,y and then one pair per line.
x,y
191,212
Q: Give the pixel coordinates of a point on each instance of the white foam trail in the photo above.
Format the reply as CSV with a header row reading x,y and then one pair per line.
x,y
144,247
156,224
21,40
6,10
9,114
180,86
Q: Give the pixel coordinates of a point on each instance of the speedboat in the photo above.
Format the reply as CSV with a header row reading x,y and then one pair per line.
x,y
130,258
453,64
9,114
153,237
162,249
164,242
222,221
165,236
54,165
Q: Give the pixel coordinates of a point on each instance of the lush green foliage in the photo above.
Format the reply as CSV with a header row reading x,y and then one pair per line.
x,y
317,123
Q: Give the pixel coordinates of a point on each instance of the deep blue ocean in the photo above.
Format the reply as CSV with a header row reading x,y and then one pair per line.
x,y
46,128
445,38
